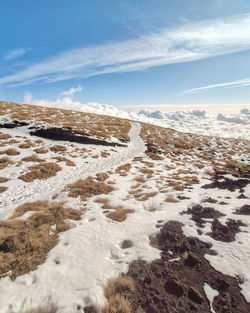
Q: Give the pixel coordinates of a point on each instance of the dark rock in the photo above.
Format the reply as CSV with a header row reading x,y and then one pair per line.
x,y
71,136
127,244
244,210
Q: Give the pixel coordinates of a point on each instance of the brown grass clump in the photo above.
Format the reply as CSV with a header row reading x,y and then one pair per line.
x,y
144,196
3,189
140,179
40,171
12,151
4,136
24,244
118,292
154,156
87,188
101,176
123,169
63,159
104,154
171,199
58,148
40,150
3,180
119,214
146,171
32,158
4,162
26,145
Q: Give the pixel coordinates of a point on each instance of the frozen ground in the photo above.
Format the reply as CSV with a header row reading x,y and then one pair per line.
x,y
91,253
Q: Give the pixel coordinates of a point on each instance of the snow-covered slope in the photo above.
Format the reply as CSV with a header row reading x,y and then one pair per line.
x,y
124,179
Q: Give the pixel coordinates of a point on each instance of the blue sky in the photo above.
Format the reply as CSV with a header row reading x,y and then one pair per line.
x,y
126,52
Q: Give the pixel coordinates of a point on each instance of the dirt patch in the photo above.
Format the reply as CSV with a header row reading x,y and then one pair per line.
x,y
14,124
24,244
71,136
229,184
41,171
178,286
225,233
87,188
244,210
199,212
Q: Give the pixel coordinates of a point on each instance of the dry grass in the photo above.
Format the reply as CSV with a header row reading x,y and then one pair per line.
x,y
102,176
40,150
104,154
32,158
3,180
119,214
58,148
4,136
4,162
87,188
3,189
140,179
24,244
12,151
118,292
154,156
144,196
41,171
171,199
146,171
63,159
25,145
123,169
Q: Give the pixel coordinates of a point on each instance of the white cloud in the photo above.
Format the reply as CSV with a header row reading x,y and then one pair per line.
x,y
15,53
234,84
72,91
186,43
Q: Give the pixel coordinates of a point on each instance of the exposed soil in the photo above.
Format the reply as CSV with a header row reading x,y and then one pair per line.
x,y
198,212
226,232
166,286
14,124
227,183
66,134
244,210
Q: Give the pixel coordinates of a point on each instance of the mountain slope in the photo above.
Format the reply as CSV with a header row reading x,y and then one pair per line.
x,y
83,196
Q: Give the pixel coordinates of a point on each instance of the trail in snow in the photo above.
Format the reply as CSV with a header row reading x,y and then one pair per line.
x,y
21,192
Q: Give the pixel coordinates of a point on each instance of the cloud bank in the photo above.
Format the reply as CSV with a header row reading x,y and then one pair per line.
x,y
186,43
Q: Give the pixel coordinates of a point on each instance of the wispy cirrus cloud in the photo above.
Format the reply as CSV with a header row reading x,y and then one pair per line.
x,y
15,53
186,43
72,91
233,84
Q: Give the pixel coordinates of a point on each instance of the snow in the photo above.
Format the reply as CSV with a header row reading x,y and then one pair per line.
x,y
210,294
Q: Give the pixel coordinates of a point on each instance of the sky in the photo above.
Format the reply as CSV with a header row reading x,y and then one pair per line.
x,y
126,53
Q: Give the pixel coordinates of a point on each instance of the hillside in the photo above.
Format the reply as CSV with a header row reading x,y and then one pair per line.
x,y
86,199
